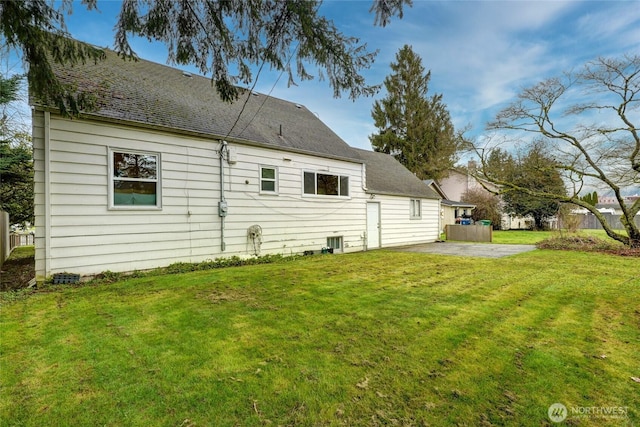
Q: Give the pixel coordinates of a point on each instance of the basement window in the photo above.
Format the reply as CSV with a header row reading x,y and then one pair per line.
x,y
335,242
134,180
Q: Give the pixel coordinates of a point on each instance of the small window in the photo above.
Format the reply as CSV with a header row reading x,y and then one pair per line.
x,y
268,179
415,208
326,184
134,180
335,243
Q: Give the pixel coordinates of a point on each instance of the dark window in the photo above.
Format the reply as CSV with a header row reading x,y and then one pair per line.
x,y
326,184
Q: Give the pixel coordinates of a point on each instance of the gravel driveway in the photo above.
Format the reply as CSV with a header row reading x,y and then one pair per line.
x,y
482,250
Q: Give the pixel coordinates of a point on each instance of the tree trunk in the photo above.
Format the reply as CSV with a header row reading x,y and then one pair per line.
x,y
634,237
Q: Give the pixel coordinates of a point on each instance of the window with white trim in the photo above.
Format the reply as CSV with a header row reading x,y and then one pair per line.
x,y
268,179
324,184
335,243
134,179
415,208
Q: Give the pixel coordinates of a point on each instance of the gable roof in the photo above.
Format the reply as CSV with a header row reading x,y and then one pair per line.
x,y
386,175
158,96
433,184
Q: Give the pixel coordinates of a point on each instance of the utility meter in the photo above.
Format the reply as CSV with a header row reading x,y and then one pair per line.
x,y
223,208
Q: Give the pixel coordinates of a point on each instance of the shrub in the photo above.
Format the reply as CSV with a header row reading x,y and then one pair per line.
x,y
186,267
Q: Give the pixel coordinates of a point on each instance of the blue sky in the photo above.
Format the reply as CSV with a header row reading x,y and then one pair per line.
x,y
480,53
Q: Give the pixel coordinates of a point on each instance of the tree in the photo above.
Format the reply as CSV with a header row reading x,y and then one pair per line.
x,y
488,206
414,128
588,121
591,198
9,88
16,158
501,164
215,36
16,178
532,172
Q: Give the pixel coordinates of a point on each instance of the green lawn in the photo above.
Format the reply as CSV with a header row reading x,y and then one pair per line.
x,y
377,338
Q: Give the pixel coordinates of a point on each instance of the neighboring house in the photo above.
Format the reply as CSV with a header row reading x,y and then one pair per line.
x,y
460,181
450,210
453,212
163,171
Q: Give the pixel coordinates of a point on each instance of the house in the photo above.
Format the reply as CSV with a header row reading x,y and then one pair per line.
x,y
389,185
460,180
163,171
451,211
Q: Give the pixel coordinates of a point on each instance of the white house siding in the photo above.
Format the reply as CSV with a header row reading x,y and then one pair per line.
x,y
398,229
85,237
291,222
448,215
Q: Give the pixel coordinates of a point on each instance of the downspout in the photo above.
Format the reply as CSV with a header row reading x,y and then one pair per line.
x,y
222,204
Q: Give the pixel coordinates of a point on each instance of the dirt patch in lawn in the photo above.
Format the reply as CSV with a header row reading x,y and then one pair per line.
x,y
18,270
588,244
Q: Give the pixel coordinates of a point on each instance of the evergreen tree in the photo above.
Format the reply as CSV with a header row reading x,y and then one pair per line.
x,y
413,127
215,36
16,178
591,198
16,158
528,175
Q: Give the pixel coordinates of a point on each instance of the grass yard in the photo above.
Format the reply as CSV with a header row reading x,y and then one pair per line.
x,y
376,338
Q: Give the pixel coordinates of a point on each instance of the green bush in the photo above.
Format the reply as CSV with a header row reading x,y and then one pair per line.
x,y
186,267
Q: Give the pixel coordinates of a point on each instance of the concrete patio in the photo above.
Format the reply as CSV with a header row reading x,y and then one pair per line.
x,y
482,250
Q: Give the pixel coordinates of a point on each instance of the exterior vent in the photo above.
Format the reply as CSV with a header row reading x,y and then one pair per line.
x,y
186,74
65,278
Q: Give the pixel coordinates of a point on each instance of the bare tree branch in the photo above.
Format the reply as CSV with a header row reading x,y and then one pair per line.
x,y
593,141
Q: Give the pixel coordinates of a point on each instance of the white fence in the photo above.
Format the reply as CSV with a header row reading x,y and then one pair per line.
x,y
10,240
21,240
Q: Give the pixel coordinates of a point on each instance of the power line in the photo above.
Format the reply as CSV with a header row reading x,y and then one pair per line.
x,y
246,101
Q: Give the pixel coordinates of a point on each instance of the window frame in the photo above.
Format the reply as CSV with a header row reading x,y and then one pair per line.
x,y
339,240
112,179
415,208
274,180
342,182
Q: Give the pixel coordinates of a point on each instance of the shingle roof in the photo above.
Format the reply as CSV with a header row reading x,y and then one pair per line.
x,y
385,175
156,95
